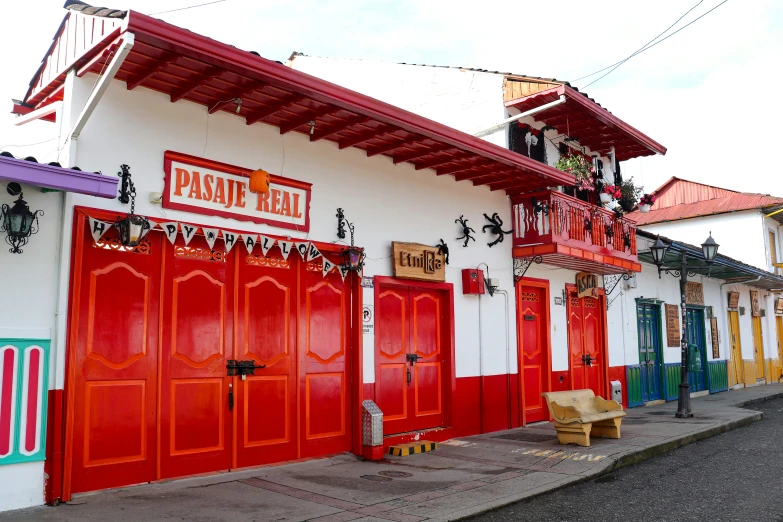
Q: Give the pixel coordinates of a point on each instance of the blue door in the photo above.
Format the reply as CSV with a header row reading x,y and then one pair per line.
x,y
695,334
649,327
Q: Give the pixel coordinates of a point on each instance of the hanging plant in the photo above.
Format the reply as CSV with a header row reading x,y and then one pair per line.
x,y
609,192
580,167
629,194
645,202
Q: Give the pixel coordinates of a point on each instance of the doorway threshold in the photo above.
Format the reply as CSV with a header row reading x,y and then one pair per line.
x,y
701,393
655,403
437,434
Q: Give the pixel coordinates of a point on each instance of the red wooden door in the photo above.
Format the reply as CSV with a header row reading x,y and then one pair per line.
x,y
324,375
587,355
410,362
533,351
427,340
391,376
114,362
576,343
266,333
195,421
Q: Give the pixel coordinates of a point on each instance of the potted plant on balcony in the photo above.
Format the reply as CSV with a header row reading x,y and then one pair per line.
x,y
610,192
645,202
580,167
629,194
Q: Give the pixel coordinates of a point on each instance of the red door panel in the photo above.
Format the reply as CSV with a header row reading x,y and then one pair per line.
x,y
266,401
324,362
426,320
115,359
197,329
586,320
593,341
576,343
533,355
391,379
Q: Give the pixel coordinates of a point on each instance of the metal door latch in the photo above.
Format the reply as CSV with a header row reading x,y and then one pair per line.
x,y
242,368
230,396
412,358
587,360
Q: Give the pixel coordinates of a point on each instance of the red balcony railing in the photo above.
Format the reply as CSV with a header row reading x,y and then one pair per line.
x,y
550,217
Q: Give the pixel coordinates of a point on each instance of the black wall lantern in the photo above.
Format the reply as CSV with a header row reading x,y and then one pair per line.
x,y
710,249
132,228
19,223
353,256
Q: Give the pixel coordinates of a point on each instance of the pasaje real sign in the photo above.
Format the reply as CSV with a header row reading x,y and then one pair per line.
x,y
218,189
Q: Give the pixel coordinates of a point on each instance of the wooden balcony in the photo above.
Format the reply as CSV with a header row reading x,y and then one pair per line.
x,y
573,234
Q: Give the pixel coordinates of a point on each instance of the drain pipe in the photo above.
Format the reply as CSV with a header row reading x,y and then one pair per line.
x,y
481,371
508,356
499,125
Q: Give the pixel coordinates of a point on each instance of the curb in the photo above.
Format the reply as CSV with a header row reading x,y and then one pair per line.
x,y
637,456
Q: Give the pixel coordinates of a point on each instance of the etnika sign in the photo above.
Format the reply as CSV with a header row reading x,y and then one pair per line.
x,y
416,261
218,189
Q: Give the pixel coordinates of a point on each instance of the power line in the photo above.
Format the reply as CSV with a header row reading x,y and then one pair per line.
x,y
651,46
189,7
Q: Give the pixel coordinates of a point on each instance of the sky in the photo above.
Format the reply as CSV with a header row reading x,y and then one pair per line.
x,y
709,93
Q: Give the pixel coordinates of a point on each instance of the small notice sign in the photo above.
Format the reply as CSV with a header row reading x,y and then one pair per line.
x,y
368,319
368,281
672,325
755,305
715,347
694,293
779,305
733,299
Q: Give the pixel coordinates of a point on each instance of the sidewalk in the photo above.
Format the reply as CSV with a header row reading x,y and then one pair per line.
x,y
463,477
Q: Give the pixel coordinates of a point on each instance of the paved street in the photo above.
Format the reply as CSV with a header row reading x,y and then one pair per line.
x,y
734,476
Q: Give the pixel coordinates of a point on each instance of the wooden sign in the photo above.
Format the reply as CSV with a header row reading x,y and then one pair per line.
x,y
218,189
733,299
779,305
694,293
715,346
672,325
420,262
586,285
755,305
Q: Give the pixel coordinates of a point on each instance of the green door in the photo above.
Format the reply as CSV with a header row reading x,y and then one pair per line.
x,y
650,360
695,335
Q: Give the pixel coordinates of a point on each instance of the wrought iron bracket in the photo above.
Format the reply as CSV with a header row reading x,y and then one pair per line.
x,y
611,281
522,264
674,272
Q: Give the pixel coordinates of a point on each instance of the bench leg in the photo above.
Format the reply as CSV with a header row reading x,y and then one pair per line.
x,y
573,433
608,428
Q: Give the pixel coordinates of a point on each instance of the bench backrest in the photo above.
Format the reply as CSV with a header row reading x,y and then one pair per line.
x,y
582,400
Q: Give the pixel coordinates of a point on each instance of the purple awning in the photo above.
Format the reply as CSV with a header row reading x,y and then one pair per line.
x,y
57,178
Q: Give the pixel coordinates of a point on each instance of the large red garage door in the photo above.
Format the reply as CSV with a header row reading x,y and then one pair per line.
x,y
153,331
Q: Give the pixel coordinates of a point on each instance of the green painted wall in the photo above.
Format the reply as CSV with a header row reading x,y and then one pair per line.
x,y
718,376
634,383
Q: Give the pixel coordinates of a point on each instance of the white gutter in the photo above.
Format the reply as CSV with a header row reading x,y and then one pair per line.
x,y
103,84
499,125
38,113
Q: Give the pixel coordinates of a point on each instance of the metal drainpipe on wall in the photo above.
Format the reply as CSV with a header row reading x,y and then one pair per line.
x,y
481,371
508,356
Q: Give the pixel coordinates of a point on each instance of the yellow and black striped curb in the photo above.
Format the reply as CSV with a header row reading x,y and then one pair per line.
x,y
411,448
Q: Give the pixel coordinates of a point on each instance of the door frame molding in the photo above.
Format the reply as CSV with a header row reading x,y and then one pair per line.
x,y
59,454
448,289
570,287
542,284
659,360
703,312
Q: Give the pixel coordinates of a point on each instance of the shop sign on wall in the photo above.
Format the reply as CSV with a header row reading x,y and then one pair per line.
x,y
586,285
755,305
733,299
416,261
694,293
218,189
715,346
672,325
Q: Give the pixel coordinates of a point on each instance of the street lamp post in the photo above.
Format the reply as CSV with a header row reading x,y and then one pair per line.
x,y
658,250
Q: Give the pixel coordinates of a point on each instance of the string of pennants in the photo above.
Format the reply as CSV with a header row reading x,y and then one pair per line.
x,y
307,250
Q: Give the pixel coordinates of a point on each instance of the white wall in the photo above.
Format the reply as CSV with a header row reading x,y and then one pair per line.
x,y
770,225
386,202
23,485
739,234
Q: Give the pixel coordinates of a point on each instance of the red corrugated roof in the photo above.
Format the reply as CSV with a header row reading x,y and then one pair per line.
x,y
682,199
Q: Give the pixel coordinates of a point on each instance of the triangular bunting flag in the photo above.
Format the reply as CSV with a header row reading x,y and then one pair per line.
x,y
266,244
98,228
153,224
302,248
250,241
285,247
170,229
210,234
328,265
313,252
188,231
229,239
343,271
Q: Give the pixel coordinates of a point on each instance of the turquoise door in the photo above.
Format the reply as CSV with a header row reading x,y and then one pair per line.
x,y
695,334
648,318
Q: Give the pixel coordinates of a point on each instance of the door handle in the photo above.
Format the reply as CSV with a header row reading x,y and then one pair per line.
x,y
230,396
242,368
408,377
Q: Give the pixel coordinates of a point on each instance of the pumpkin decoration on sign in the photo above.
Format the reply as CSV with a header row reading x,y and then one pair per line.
x,y
259,181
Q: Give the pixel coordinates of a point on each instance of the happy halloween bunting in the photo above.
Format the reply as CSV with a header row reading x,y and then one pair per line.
x,y
307,250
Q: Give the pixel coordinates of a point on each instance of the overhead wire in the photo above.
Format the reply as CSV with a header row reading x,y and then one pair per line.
x,y
649,46
188,7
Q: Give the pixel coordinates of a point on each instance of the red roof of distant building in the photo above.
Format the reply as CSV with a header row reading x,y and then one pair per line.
x,y
682,199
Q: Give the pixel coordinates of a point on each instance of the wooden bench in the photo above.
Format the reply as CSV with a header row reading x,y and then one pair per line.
x,y
579,413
